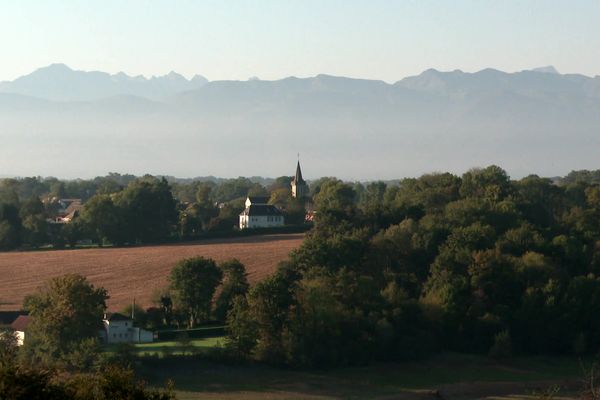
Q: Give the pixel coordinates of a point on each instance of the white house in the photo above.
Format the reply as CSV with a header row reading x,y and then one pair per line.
x,y
259,214
118,328
19,326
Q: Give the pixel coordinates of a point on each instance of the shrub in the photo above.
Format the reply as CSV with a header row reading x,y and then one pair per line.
x,y
502,347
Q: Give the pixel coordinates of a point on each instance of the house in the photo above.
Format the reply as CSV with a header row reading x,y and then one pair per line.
x,y
117,328
299,186
259,214
68,210
8,317
19,326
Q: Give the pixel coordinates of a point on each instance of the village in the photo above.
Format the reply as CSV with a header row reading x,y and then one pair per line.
x,y
258,215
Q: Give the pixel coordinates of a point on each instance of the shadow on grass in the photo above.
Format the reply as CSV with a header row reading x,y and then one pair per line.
x,y
407,380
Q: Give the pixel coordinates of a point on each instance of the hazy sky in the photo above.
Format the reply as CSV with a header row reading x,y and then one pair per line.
x,y
237,39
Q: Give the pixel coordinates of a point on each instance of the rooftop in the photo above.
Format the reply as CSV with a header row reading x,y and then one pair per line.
x,y
256,210
20,324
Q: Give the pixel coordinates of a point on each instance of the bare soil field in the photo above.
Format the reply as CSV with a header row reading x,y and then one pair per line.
x,y
134,271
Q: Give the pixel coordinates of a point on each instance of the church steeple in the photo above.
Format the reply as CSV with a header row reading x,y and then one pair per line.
x,y
299,187
298,177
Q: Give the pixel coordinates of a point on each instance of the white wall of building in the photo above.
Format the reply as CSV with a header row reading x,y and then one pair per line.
x,y
248,221
125,332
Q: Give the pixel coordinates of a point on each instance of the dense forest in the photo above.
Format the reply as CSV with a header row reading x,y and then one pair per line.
x,y
477,263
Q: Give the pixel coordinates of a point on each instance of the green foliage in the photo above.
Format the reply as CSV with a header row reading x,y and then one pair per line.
x,y
10,226
502,347
8,346
235,283
26,383
269,302
148,209
63,313
103,220
193,282
242,333
437,262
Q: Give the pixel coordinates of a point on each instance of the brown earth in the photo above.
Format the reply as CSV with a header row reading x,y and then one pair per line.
x,y
134,271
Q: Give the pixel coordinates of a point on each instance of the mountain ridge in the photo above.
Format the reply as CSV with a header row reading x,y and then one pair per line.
x,y
353,128
61,83
58,82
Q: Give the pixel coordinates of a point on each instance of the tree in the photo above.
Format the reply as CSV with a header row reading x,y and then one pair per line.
x,y
269,302
8,346
235,283
148,210
64,312
242,333
33,217
334,195
491,183
10,226
102,220
163,300
193,282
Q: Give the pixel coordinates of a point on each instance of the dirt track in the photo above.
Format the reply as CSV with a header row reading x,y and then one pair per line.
x,y
135,271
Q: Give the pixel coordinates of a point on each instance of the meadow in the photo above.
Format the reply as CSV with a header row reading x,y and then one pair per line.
x,y
128,272
447,376
197,376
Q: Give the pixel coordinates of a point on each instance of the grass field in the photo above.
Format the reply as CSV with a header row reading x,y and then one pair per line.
x,y
134,271
450,375
175,347
453,376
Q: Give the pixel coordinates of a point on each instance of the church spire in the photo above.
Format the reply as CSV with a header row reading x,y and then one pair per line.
x,y
298,177
299,187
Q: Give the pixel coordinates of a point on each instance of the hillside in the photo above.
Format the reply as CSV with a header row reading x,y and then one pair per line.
x,y
134,271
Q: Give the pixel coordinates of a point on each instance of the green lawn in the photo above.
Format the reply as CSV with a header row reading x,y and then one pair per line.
x,y
176,347
456,376
173,347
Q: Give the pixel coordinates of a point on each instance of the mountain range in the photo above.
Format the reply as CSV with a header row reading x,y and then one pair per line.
x,y
61,83
67,123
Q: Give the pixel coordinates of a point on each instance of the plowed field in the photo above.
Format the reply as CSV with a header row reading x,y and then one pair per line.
x,y
135,271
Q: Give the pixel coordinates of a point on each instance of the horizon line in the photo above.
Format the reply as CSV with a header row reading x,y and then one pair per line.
x,y
251,78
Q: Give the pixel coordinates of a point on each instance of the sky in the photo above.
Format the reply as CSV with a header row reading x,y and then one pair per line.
x,y
237,39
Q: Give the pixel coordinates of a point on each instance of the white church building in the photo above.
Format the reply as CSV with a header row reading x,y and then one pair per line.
x,y
259,214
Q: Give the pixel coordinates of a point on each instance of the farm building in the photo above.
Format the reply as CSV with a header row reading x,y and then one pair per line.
x,y
259,214
19,326
117,328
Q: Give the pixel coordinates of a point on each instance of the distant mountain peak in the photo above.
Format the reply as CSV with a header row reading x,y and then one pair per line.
x,y
57,66
59,82
549,69
52,69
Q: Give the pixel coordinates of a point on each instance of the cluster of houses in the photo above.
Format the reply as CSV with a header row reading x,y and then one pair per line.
x,y
257,214
113,328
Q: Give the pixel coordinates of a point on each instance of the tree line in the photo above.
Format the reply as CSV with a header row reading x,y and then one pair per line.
x,y
122,209
473,263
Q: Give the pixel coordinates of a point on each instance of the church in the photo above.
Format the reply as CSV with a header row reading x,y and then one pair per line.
x,y
259,214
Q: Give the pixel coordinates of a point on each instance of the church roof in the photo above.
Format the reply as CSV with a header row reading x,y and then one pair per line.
x,y
116,317
258,199
298,177
261,210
